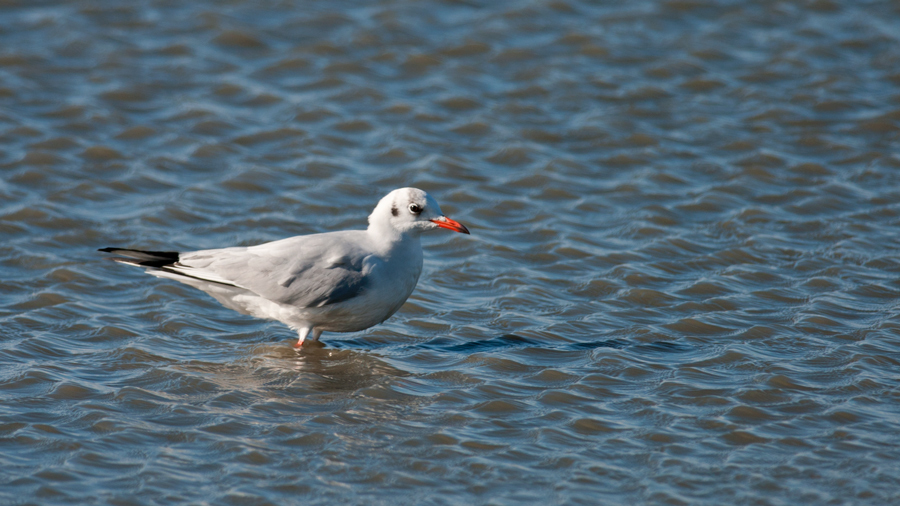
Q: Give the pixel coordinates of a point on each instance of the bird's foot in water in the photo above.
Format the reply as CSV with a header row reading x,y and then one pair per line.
x,y
302,333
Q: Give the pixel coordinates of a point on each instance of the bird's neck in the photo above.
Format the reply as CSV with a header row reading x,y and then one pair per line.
x,y
387,239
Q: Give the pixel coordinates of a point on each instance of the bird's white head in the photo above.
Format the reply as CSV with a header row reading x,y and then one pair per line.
x,y
411,210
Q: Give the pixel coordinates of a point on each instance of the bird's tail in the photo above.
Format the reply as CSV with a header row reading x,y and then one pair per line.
x,y
149,259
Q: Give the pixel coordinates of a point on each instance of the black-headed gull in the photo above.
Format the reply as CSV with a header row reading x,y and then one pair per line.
x,y
337,281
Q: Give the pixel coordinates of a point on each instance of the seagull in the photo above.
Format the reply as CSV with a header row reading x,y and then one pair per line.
x,y
343,281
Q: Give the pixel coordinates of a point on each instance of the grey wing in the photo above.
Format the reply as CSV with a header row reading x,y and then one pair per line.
x,y
290,272
321,285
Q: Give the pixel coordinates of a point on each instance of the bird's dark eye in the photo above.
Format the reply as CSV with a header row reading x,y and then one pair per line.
x,y
415,208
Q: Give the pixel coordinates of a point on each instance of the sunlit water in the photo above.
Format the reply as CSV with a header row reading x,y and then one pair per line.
x,y
681,285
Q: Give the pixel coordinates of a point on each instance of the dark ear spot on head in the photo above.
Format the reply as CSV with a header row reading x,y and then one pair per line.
x,y
394,210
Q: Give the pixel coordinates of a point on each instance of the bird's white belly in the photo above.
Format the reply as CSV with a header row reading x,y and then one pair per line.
x,y
373,305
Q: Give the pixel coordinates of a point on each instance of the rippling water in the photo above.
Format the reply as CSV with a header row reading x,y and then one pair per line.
x,y
681,287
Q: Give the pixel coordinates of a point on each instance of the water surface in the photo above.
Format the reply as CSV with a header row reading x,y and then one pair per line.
x,y
681,285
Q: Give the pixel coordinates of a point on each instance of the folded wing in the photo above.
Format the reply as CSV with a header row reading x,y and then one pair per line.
x,y
311,271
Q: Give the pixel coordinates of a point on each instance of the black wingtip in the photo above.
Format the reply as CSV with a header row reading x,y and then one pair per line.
x,y
145,258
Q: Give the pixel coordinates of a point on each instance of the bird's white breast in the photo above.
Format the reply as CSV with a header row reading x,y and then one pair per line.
x,y
391,278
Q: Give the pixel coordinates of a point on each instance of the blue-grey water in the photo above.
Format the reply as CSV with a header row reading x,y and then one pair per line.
x,y
682,285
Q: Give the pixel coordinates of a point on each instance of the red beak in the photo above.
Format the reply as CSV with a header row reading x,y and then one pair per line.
x,y
445,222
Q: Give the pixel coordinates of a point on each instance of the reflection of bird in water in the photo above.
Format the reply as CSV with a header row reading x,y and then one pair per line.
x,y
327,370
338,281
267,373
